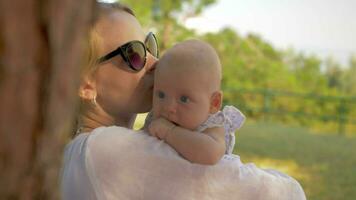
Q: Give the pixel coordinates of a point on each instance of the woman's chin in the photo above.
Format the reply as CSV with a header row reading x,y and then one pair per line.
x,y
146,107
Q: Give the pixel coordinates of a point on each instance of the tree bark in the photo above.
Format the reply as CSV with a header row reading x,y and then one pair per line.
x,y
41,46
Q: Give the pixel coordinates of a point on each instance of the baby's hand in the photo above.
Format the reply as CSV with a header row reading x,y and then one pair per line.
x,y
160,127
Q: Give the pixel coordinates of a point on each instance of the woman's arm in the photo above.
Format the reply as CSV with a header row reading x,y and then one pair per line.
x,y
203,148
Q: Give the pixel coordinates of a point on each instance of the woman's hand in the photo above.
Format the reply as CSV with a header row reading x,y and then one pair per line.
x,y
160,128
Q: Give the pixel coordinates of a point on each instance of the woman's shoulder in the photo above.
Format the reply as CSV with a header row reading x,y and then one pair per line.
x,y
121,143
82,140
115,137
104,141
91,159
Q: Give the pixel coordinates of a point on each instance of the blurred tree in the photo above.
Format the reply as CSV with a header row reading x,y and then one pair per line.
x,y
166,16
307,72
334,75
349,80
249,62
40,51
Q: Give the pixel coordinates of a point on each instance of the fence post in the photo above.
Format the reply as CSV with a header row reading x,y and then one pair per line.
x,y
341,116
266,104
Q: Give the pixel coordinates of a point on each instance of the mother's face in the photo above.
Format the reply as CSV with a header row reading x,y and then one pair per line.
x,y
121,90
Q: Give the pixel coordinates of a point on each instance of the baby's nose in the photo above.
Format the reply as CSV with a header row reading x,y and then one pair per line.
x,y
171,106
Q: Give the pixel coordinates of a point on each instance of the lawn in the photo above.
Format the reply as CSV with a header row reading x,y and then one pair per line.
x,y
324,164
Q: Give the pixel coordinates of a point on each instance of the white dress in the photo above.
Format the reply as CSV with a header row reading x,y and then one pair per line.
x,y
118,163
231,119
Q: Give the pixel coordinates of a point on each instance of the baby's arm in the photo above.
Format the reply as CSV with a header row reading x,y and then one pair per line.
x,y
203,148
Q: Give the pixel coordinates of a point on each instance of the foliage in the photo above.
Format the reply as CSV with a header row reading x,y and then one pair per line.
x,y
249,62
166,16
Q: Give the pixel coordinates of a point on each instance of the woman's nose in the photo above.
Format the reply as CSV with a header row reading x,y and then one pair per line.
x,y
151,63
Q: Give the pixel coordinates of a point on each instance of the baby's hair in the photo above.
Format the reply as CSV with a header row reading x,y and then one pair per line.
x,y
193,55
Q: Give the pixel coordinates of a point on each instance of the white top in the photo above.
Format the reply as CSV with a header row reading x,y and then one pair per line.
x,y
231,119
118,163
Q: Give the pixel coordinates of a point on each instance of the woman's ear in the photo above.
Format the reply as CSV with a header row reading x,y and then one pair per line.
x,y
216,101
87,89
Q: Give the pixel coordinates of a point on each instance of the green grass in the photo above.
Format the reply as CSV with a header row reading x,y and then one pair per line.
x,y
324,164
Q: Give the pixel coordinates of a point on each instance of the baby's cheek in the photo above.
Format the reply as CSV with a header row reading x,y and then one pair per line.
x,y
156,108
199,119
156,113
190,122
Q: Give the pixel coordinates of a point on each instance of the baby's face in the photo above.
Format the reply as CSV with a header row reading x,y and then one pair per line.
x,y
182,98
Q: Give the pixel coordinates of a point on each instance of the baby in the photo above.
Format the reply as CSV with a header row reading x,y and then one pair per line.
x,y
187,101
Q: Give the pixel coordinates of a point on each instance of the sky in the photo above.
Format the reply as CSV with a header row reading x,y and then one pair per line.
x,y
321,27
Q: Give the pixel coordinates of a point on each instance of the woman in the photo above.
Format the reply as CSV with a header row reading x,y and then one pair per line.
x,y
108,160
113,89
120,85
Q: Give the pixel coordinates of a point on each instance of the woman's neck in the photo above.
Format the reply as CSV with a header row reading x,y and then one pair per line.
x,y
127,120
97,117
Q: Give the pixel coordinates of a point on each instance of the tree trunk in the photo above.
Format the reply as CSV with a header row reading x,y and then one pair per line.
x,y
41,43
167,32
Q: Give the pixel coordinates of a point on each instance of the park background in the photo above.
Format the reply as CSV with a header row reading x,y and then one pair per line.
x,y
300,102
298,94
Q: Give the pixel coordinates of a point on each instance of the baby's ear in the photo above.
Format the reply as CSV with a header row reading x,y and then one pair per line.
x,y
216,101
87,89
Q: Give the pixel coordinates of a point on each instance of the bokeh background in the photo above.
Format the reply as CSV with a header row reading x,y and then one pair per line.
x,y
290,66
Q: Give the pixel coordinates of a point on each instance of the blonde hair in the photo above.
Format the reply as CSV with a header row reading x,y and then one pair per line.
x,y
93,39
91,53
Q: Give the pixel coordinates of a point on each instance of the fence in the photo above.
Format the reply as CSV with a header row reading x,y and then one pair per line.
x,y
340,110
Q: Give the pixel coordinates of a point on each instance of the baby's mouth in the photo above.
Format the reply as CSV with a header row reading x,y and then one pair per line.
x,y
167,117
175,123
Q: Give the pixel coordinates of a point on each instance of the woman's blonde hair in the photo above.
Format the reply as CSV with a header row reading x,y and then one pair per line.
x,y
93,40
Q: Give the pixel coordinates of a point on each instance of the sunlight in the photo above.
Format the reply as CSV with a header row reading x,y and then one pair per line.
x,y
107,1
140,120
289,167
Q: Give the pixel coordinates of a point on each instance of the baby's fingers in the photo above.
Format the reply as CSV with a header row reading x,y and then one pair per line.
x,y
152,130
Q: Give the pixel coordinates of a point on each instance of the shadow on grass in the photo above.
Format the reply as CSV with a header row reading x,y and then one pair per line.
x,y
325,165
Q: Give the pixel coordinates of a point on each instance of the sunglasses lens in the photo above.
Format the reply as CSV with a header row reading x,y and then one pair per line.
x,y
151,44
136,55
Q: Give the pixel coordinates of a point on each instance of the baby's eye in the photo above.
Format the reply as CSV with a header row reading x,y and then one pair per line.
x,y
184,99
161,94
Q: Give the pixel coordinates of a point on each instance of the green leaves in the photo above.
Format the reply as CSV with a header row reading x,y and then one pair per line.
x,y
250,62
167,16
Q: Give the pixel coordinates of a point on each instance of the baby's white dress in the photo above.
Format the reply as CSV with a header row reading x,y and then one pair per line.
x,y
231,119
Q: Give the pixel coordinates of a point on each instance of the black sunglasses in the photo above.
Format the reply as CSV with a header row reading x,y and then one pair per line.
x,y
134,52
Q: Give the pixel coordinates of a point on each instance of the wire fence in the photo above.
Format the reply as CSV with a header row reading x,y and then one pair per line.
x,y
301,107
